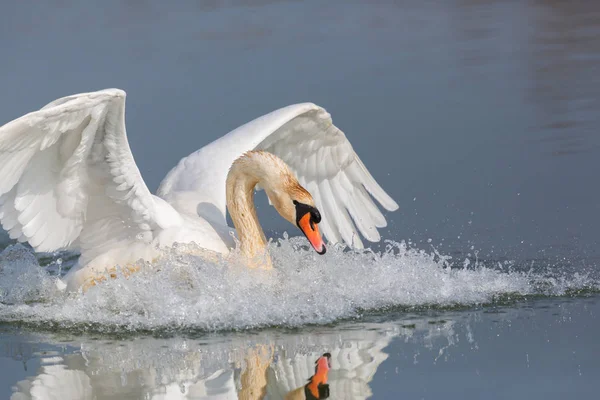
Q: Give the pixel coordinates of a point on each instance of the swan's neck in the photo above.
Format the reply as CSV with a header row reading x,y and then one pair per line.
x,y
240,203
245,173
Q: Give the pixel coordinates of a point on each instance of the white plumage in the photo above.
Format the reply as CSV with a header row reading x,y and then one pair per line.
x,y
68,180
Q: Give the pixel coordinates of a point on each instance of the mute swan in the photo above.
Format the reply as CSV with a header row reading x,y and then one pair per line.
x,y
178,368
68,180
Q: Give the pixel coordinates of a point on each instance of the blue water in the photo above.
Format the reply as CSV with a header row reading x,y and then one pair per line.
x,y
479,118
534,349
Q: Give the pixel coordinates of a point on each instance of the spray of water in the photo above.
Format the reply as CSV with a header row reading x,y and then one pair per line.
x,y
182,291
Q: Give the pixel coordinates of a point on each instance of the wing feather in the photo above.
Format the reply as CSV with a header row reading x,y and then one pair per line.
x,y
304,136
10,217
376,215
347,228
67,177
319,152
328,214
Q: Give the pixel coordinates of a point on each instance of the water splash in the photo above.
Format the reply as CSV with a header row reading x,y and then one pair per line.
x,y
185,292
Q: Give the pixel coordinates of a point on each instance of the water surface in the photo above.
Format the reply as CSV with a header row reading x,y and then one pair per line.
x,y
479,118
538,349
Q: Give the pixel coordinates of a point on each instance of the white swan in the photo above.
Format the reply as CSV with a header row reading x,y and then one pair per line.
x,y
68,180
179,368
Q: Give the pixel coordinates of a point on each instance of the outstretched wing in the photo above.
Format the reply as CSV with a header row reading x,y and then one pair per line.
x,y
68,178
320,155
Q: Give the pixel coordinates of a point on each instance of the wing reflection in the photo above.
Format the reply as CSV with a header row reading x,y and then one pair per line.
x,y
269,365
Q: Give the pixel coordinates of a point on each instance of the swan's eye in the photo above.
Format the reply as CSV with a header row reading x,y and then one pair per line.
x,y
315,215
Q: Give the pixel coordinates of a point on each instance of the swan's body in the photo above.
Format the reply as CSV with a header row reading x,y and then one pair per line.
x,y
68,180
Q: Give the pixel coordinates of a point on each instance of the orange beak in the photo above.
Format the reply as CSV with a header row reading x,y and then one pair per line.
x,y
323,366
311,231
317,385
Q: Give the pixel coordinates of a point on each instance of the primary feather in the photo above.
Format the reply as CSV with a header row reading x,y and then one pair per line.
x,y
68,177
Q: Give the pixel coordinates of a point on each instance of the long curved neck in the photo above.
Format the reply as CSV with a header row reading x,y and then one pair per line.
x,y
245,173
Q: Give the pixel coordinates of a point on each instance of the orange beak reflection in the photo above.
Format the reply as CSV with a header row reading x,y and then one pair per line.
x,y
311,231
317,387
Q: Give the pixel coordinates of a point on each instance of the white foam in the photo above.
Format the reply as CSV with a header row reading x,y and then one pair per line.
x,y
182,291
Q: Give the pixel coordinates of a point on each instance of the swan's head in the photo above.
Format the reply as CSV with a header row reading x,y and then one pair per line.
x,y
290,199
295,204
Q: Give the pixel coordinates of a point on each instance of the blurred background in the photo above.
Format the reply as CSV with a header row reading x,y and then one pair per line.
x,y
480,118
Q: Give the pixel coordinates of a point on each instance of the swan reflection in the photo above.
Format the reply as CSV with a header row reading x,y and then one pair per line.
x,y
338,362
